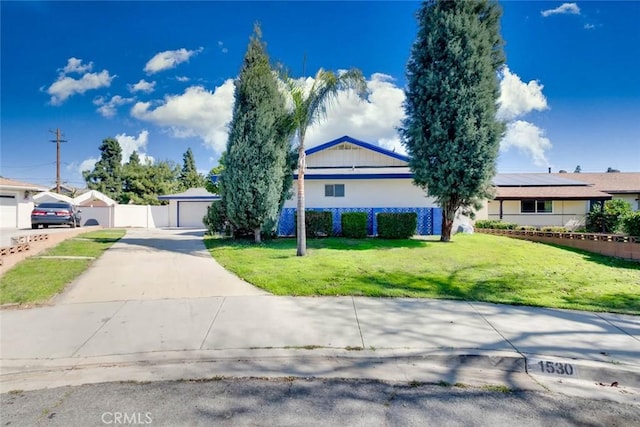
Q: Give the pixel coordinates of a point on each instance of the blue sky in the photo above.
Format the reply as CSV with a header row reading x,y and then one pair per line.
x,y
158,76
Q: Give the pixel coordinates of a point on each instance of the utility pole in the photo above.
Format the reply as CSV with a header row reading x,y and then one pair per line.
x,y
57,141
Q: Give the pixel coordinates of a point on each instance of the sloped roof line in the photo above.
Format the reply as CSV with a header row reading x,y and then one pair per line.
x,y
12,183
359,143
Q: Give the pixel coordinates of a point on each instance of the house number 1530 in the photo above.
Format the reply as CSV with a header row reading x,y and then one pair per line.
x,y
557,368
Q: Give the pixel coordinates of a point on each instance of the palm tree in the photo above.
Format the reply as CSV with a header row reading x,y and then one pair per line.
x,y
309,107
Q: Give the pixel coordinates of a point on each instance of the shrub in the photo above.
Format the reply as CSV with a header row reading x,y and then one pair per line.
x,y
216,218
527,228
631,223
609,220
397,225
354,224
495,224
554,229
317,223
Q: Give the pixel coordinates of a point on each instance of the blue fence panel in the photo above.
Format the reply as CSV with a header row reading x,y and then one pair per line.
x,y
429,219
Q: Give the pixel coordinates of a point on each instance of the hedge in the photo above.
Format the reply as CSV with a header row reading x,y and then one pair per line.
x,y
396,225
495,224
631,223
317,223
354,224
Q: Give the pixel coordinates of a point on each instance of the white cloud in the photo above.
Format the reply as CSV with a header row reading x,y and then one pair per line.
x,y
169,59
74,65
129,144
109,108
67,86
529,139
183,79
564,9
373,120
142,86
87,164
194,113
589,26
518,98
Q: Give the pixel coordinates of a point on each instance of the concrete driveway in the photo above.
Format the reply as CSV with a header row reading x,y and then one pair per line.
x,y
151,264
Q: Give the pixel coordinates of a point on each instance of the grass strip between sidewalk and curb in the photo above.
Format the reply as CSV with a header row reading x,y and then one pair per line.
x,y
37,279
476,267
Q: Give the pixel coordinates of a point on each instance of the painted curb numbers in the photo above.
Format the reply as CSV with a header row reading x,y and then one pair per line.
x,y
551,367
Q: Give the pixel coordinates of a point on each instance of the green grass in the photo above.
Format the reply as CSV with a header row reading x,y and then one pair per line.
x,y
475,267
37,280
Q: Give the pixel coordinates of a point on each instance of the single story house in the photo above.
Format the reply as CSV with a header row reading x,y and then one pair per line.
x,y
187,209
349,175
541,200
621,185
16,202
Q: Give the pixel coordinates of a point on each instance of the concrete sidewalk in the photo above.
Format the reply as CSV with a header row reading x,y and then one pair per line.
x,y
393,339
157,306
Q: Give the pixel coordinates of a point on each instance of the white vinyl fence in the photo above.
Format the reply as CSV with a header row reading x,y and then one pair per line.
x,y
126,216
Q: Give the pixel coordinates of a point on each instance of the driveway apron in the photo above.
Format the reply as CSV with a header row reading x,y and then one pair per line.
x,y
149,264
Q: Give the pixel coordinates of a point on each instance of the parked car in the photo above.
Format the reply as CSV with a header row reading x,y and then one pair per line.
x,y
58,213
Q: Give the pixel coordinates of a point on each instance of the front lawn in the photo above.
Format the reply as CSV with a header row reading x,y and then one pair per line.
x,y
475,267
38,279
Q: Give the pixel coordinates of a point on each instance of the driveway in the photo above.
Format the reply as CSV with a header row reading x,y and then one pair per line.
x,y
150,264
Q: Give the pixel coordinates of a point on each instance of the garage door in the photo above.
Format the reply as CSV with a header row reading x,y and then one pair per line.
x,y
8,211
190,213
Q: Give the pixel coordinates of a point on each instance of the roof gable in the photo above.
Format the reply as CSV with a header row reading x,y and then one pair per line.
x,y
350,152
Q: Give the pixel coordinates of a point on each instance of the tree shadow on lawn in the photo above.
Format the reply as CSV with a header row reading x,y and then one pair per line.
x,y
608,261
500,290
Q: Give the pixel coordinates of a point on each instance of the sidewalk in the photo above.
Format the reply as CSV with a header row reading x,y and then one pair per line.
x,y
264,335
156,306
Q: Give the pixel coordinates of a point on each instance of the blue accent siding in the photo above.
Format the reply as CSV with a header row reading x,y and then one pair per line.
x,y
356,176
429,219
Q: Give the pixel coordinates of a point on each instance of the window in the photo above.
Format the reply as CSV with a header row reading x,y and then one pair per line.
x,y
334,190
536,206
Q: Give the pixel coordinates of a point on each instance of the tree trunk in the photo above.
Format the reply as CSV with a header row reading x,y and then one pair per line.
x,y
300,228
256,235
447,225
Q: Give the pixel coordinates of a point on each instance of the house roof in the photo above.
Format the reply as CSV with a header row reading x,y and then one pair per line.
x,y
359,143
533,180
195,194
570,192
12,184
613,183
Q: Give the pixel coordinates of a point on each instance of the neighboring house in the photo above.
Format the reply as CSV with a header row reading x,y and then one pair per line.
x,y
187,209
558,199
16,203
621,185
348,175
69,191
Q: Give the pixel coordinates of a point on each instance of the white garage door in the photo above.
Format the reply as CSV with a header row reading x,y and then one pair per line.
x,y
190,213
8,211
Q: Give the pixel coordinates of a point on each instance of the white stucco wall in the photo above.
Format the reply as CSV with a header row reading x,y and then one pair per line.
x,y
365,193
632,199
565,213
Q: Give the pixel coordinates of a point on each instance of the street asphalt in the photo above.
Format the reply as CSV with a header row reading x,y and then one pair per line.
x,y
156,306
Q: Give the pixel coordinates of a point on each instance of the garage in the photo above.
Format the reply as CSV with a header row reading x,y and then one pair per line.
x,y
8,210
190,213
187,209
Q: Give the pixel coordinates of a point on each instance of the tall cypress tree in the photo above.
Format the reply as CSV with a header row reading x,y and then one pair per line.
x,y
189,176
106,175
252,181
450,130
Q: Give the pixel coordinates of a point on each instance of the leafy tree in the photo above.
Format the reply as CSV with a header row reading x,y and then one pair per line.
x,y
450,130
214,174
578,169
252,180
608,219
189,176
309,107
612,170
106,175
143,183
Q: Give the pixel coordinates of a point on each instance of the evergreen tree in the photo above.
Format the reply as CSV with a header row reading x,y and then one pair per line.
x,y
189,176
212,181
578,169
450,130
252,181
106,175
